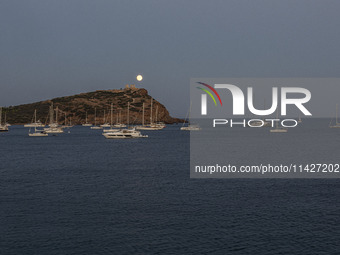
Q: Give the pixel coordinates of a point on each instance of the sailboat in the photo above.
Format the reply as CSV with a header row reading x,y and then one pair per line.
x,y
53,127
124,133
337,124
105,124
190,127
86,124
37,133
3,128
263,122
119,123
35,123
278,129
152,126
95,120
111,129
70,122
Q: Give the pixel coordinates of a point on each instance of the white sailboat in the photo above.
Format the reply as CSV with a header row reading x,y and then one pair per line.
x,y
124,133
35,123
152,126
263,122
119,123
69,125
337,124
111,129
278,129
190,127
95,120
3,127
37,133
105,124
53,127
86,124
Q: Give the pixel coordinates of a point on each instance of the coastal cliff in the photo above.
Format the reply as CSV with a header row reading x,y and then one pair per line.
x,y
76,107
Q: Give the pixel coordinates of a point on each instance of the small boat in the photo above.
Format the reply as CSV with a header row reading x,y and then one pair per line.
x,y
262,123
3,128
35,123
111,126
86,124
53,127
152,126
119,125
278,129
95,121
110,130
190,127
105,124
38,133
337,124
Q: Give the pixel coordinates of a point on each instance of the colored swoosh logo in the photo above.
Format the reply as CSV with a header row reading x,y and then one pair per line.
x,y
209,93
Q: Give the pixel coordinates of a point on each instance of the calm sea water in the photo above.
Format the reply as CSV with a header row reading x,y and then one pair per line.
x,y
80,193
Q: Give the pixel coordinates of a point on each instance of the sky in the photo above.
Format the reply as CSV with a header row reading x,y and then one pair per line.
x,y
64,47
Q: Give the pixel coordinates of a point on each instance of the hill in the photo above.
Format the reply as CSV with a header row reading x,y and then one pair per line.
x,y
75,108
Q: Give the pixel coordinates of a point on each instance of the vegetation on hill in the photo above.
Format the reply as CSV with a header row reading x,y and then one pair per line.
x,y
74,108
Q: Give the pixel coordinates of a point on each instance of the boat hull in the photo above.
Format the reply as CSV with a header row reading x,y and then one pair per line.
x,y
38,134
278,130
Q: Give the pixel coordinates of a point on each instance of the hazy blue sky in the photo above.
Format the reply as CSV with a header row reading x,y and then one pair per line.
x,y
62,47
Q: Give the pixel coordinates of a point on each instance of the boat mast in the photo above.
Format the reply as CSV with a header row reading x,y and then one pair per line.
x,y
35,116
189,114
56,115
151,113
95,116
111,114
0,115
51,114
86,118
277,117
128,114
156,118
143,115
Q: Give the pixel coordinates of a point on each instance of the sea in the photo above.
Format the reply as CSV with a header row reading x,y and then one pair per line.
x,y
79,193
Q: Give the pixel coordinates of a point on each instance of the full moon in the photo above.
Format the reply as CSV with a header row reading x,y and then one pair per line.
x,y
139,77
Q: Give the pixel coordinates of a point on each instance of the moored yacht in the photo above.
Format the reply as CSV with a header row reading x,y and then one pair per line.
x,y
278,129
152,126
3,128
35,123
53,127
95,121
37,133
123,134
86,124
190,127
337,124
